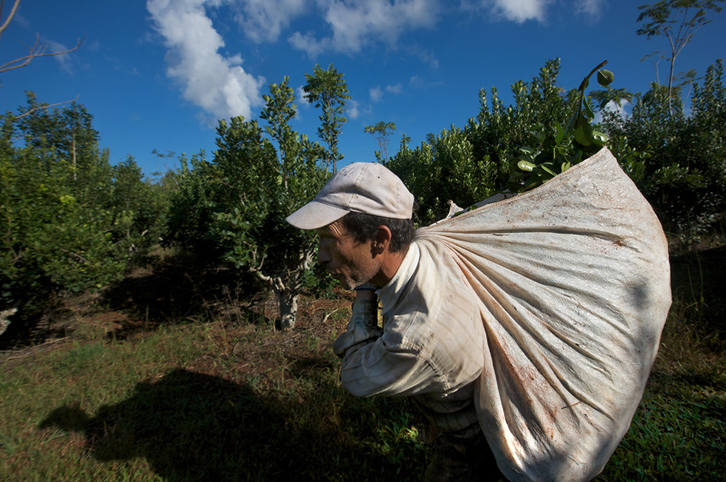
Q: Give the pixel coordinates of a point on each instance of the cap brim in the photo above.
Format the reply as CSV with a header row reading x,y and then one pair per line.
x,y
315,215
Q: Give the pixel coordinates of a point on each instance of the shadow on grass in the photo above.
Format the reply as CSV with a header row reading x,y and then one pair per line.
x,y
192,426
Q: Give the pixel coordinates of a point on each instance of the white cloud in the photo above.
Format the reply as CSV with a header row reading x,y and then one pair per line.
x,y
425,55
354,24
592,8
308,43
613,107
263,20
376,94
216,83
518,11
300,96
64,60
353,109
394,89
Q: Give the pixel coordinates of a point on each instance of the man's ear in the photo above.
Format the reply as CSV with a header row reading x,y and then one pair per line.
x,y
382,239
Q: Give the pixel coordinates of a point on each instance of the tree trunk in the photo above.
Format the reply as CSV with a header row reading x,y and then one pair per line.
x,y
288,308
73,144
670,85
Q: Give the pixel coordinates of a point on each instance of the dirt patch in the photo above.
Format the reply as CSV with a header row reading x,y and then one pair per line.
x,y
273,357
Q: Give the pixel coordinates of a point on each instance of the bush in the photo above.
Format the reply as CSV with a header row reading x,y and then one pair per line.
x,y
69,220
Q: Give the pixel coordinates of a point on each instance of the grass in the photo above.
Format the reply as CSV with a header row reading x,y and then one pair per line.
x,y
233,399
195,402
679,430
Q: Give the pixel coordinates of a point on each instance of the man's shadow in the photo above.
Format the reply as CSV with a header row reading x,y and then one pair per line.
x,y
192,426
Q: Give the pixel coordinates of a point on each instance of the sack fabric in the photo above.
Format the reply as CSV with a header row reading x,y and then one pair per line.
x,y
573,283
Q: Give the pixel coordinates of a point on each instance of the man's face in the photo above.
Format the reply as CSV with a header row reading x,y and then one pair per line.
x,y
350,262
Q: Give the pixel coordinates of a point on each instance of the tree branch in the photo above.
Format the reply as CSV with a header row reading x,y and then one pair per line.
x,y
44,106
37,50
10,16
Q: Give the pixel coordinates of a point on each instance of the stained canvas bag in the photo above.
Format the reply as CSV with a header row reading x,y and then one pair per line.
x,y
573,283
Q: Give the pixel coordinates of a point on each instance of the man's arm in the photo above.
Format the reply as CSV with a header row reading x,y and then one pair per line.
x,y
378,363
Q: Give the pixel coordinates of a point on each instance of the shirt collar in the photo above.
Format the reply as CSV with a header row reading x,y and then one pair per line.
x,y
391,292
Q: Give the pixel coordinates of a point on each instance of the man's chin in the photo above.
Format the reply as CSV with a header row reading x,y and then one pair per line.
x,y
347,283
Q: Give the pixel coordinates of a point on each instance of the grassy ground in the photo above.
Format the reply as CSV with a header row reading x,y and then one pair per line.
x,y
231,399
199,401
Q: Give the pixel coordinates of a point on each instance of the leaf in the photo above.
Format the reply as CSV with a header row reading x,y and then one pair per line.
x,y
564,166
559,133
599,137
583,131
526,166
548,170
571,123
588,111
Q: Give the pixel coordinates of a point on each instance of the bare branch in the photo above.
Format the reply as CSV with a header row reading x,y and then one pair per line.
x,y
10,16
275,282
45,106
37,50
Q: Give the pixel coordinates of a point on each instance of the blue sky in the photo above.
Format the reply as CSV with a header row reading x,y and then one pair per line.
x,y
157,75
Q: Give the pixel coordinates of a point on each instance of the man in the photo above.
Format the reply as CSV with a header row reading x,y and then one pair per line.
x,y
539,315
431,343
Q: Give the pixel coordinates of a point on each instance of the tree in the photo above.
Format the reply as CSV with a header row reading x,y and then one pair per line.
x,y
329,92
659,20
235,206
381,131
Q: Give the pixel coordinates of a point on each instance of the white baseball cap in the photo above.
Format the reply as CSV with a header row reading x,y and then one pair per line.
x,y
363,187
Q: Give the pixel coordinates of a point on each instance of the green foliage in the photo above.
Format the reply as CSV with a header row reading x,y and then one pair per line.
x,y
138,206
678,161
560,147
505,147
430,169
69,220
329,92
233,209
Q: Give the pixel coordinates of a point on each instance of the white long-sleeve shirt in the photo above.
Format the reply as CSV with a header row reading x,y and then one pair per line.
x,y
431,344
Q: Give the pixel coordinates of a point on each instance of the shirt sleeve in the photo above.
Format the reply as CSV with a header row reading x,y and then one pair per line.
x,y
381,364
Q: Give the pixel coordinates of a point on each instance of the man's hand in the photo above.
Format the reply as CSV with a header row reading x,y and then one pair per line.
x,y
363,323
365,307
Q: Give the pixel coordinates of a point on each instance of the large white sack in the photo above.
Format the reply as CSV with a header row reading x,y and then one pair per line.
x,y
574,287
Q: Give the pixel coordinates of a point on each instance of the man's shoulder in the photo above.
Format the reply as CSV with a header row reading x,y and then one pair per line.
x,y
437,284
438,267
